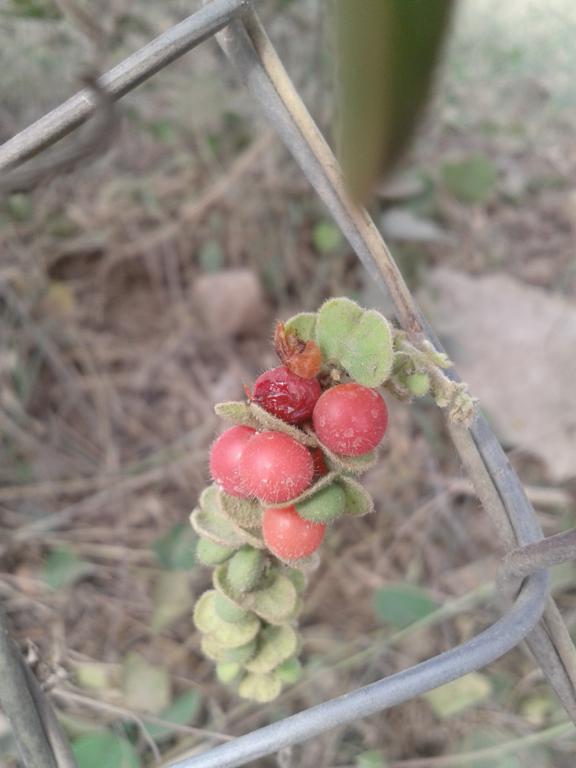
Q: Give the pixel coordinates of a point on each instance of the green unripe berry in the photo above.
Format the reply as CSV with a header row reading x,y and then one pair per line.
x,y
211,553
418,384
245,569
325,506
290,671
227,671
229,611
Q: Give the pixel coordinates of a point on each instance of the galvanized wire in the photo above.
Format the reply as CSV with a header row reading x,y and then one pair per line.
x,y
123,78
497,485
93,144
494,642
18,702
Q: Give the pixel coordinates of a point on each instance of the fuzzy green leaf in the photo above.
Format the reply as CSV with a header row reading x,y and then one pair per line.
x,y
325,506
305,565
33,9
205,617
172,598
266,420
176,549
418,384
104,749
216,528
367,353
182,711
472,180
243,512
336,320
214,523
245,569
226,634
372,758
290,671
213,650
276,603
236,634
209,500
297,578
402,604
236,412
260,688
326,236
358,500
227,671
90,674
229,610
210,553
62,568
460,694
303,325
485,738
353,465
252,537
275,645
146,687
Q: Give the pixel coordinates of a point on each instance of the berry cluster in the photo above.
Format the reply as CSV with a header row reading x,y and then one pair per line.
x,y
274,468
286,471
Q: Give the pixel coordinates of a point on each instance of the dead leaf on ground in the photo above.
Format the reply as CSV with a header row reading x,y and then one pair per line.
x,y
404,225
172,598
514,344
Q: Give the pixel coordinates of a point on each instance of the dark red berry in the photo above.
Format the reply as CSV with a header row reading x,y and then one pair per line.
x,y
286,395
350,419
320,466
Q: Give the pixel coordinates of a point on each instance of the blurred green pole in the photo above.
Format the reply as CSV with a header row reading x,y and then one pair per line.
x,y
386,57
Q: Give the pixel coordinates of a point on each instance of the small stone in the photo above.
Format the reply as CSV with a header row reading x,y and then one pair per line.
x,y
229,303
403,225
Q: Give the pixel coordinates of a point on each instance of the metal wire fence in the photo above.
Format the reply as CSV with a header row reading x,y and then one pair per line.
x,y
531,614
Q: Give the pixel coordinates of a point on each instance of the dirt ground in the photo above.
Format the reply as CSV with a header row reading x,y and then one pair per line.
x,y
109,374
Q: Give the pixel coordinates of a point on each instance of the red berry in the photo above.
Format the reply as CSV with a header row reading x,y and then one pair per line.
x,y
275,467
286,395
225,456
350,419
289,536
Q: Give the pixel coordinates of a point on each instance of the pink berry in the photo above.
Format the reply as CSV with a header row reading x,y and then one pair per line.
x,y
225,456
286,395
350,419
275,468
289,536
